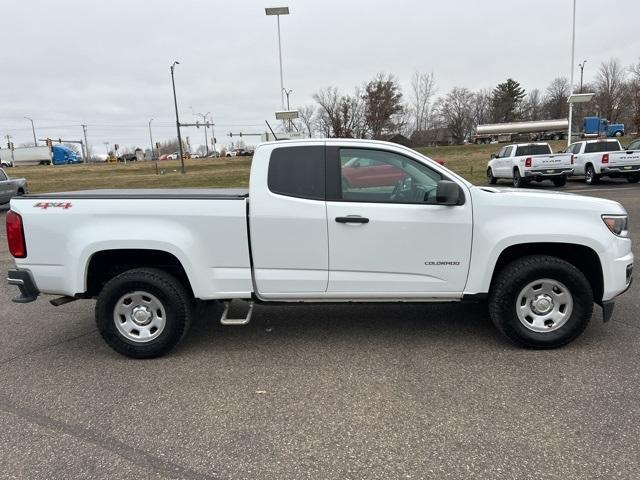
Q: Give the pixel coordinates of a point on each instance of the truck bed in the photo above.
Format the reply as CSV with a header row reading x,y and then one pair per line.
x,y
150,194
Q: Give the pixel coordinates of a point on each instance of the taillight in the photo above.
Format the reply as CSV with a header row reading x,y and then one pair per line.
x,y
15,235
605,158
527,162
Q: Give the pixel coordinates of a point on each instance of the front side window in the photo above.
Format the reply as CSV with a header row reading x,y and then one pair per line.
x,y
385,177
634,145
298,172
3,177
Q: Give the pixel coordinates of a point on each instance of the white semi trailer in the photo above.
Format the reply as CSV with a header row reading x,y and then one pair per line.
x,y
532,130
25,156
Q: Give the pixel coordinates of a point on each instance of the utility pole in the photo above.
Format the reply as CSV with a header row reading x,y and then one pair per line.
x,y
106,146
277,11
573,49
33,129
287,93
10,146
213,138
206,124
86,144
581,65
151,138
175,103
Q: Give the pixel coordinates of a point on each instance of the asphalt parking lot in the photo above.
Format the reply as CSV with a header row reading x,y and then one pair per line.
x,y
322,392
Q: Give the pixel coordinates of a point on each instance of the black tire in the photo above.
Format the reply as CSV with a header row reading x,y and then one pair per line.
x,y
491,180
560,182
518,181
590,176
509,284
20,192
634,178
171,293
556,137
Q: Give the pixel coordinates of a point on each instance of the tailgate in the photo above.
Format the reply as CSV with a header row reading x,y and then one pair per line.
x,y
559,160
617,159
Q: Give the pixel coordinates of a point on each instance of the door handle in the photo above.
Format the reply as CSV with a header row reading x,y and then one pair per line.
x,y
352,219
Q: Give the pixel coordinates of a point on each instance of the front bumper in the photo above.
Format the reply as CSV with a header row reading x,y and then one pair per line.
x,y
608,305
548,173
24,281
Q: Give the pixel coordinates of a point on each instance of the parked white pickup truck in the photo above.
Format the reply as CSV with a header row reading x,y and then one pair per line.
x,y
604,158
525,162
313,227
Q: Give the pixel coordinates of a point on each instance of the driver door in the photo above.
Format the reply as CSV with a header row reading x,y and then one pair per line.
x,y
390,236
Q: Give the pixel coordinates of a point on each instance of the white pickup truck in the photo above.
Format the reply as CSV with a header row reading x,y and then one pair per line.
x,y
525,162
604,158
323,221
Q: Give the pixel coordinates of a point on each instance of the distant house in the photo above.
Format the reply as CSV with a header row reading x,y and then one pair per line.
x,y
432,137
398,138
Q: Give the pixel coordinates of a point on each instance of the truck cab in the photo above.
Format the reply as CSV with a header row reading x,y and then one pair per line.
x,y
600,127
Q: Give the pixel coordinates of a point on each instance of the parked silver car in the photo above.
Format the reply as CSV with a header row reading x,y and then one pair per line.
x,y
11,187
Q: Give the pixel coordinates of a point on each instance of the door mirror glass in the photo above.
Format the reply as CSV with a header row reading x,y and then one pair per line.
x,y
493,155
447,193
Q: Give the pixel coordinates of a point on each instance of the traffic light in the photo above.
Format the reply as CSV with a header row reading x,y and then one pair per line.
x,y
157,145
116,146
197,123
49,142
59,140
240,134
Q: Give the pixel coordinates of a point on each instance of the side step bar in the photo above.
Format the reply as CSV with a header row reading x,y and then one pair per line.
x,y
225,320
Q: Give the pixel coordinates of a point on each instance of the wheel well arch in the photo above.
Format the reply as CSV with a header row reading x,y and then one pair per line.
x,y
106,264
582,257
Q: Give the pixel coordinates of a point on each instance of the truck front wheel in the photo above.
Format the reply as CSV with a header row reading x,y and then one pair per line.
x,y
491,180
634,178
541,301
143,313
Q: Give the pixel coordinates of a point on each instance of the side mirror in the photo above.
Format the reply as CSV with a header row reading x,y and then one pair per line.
x,y
493,155
560,151
447,193
356,164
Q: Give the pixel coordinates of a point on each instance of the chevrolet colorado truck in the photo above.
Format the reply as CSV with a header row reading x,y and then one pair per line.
x,y
525,162
304,233
595,159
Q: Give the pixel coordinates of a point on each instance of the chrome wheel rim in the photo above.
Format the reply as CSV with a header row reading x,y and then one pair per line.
x,y
589,175
139,316
544,305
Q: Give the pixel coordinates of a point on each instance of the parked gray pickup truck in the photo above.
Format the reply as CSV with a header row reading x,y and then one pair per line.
x,y
11,187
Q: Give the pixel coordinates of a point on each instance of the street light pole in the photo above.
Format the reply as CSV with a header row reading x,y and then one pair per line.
x,y
581,65
151,138
33,129
175,103
573,48
287,93
204,120
277,11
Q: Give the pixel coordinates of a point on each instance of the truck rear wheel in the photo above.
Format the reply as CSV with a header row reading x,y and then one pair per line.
x,y
143,313
491,180
560,182
518,181
541,301
590,176
634,178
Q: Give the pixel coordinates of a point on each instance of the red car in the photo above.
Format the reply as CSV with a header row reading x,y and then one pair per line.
x,y
364,172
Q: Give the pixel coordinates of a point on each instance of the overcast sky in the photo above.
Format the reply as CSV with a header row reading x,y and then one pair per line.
x,y
106,63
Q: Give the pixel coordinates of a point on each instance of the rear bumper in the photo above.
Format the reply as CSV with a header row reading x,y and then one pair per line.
x,y
622,170
24,281
548,173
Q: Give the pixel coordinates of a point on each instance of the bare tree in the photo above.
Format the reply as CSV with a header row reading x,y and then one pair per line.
x,y
457,112
306,115
422,92
482,106
634,95
339,115
555,103
533,105
610,89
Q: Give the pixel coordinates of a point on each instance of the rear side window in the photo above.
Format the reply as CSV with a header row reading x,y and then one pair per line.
x,y
3,177
533,150
297,172
596,147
